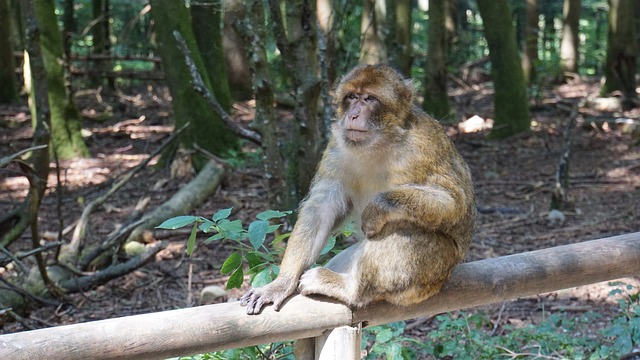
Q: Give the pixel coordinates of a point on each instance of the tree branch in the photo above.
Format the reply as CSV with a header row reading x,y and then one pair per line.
x,y
198,86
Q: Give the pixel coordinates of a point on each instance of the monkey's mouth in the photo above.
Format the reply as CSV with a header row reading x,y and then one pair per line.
x,y
356,135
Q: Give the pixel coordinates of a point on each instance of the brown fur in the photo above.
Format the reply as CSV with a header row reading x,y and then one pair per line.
x,y
406,183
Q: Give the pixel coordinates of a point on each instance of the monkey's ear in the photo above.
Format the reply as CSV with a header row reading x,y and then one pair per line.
x,y
409,90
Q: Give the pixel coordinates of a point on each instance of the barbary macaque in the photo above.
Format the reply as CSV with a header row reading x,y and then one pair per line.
x,y
392,169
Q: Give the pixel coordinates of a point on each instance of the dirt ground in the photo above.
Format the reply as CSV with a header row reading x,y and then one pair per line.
x,y
514,179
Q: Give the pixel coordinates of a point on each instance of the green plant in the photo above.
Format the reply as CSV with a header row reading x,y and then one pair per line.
x,y
624,332
387,341
259,259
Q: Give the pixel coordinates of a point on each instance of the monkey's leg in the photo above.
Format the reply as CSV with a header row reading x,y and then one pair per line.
x,y
339,279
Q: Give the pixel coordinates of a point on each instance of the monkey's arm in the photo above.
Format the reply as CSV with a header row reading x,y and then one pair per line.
x,y
325,207
433,205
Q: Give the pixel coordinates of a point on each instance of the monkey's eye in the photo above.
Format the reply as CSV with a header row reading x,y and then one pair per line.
x,y
371,99
351,96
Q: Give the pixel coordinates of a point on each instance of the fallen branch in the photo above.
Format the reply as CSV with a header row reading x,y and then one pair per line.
x,y
79,232
7,159
182,202
560,199
83,283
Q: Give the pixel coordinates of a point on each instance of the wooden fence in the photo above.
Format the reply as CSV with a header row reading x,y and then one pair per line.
x,y
335,327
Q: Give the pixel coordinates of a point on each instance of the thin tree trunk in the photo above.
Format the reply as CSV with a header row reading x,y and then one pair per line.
x,y
8,89
265,118
530,54
620,67
69,26
235,56
398,38
373,48
511,103
569,55
436,101
206,19
298,45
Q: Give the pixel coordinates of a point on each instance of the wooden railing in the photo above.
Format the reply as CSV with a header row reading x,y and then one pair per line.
x,y
335,327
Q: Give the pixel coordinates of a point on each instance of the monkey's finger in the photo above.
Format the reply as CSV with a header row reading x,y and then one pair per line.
x,y
255,307
244,300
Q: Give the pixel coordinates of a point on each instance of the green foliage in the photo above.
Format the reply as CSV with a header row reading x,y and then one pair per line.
x,y
259,260
387,341
558,336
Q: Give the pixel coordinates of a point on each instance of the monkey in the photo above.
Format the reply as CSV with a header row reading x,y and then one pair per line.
x,y
391,169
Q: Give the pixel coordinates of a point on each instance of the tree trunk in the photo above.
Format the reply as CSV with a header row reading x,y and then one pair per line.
x,y
207,130
328,15
373,50
265,119
206,18
101,41
530,53
298,45
399,37
66,138
436,101
620,67
235,56
510,102
69,26
17,30
452,22
569,55
8,90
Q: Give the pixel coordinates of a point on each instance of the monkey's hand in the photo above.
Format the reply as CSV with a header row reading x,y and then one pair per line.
x,y
274,293
375,216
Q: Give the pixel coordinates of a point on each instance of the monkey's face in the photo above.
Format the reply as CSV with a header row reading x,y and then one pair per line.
x,y
358,125
374,105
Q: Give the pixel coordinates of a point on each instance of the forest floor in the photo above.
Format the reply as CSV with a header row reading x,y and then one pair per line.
x,y
514,176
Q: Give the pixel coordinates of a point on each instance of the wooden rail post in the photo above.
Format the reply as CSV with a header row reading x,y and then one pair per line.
x,y
342,343
227,326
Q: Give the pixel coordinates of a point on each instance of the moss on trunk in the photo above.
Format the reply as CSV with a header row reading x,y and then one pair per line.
x,y
511,103
207,130
66,137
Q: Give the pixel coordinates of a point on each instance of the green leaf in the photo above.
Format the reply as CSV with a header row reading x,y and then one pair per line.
x,y
394,351
384,336
221,214
273,228
232,229
191,242
272,214
232,263
235,280
281,237
215,237
206,225
253,259
178,222
262,278
348,228
258,232
330,244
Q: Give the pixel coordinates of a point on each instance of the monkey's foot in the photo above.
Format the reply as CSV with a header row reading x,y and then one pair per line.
x,y
322,281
